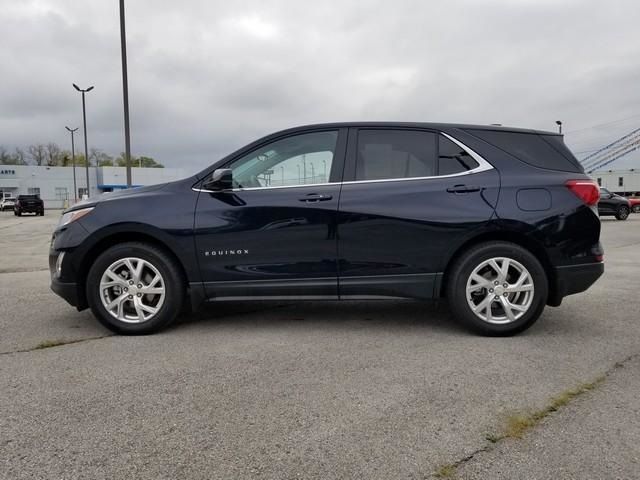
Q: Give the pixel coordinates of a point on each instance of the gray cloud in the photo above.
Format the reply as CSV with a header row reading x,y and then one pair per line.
x,y
209,76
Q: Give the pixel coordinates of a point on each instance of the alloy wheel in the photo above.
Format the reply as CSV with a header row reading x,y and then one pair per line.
x,y
500,290
132,290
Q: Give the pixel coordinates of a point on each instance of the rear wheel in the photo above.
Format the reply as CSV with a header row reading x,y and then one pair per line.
x,y
622,213
636,209
497,288
135,289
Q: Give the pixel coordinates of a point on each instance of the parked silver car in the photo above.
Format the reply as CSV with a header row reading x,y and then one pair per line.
x,y
7,204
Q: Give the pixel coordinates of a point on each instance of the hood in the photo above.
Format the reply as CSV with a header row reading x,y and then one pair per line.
x,y
108,196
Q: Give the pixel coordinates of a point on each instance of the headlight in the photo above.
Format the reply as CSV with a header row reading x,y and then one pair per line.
x,y
69,217
59,264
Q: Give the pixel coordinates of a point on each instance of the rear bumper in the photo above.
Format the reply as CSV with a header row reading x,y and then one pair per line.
x,y
68,291
574,279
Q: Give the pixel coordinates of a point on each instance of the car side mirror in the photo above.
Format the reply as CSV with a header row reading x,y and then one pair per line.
x,y
221,179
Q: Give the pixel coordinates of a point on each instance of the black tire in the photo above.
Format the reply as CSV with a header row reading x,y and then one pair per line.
x,y
19,213
172,277
460,271
622,213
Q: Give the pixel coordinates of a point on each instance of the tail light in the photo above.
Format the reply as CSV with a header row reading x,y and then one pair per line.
x,y
586,190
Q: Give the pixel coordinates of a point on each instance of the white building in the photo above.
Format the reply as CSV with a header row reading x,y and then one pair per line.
x,y
55,184
623,182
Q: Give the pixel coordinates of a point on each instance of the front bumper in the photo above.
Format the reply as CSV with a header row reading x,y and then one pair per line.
x,y
68,291
572,279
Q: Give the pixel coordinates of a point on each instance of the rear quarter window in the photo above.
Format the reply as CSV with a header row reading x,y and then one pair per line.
x,y
543,151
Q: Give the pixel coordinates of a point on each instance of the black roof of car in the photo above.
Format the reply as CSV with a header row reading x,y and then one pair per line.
x,y
435,126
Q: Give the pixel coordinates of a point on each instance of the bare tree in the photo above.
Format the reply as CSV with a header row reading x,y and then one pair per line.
x,y
5,157
54,154
19,157
38,153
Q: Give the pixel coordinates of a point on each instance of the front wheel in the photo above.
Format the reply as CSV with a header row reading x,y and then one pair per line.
x,y
622,213
497,288
135,288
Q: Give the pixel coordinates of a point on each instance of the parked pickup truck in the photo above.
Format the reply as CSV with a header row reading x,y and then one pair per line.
x,y
28,204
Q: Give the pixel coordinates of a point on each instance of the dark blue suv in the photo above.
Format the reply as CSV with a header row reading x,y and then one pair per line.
x,y
499,221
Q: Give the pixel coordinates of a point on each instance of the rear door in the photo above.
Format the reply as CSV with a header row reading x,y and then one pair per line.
x,y
410,197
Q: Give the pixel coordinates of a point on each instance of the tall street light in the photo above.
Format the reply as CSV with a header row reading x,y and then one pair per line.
x,y
73,161
84,121
125,95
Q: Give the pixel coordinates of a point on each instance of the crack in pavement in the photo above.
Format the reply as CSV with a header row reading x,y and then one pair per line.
x,y
449,470
56,343
23,270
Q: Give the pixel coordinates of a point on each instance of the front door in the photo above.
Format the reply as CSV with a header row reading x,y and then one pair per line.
x,y
410,197
274,234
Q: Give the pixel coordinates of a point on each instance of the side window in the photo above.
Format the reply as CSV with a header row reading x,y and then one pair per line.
x,y
297,160
453,158
388,154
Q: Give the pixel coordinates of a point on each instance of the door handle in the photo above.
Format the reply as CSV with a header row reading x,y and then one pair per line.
x,y
315,197
463,189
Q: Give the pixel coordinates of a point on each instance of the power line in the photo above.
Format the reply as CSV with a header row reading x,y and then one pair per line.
x,y
603,124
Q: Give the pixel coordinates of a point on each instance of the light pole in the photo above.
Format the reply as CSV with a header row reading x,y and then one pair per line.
x,y
73,162
304,168
125,95
84,122
559,123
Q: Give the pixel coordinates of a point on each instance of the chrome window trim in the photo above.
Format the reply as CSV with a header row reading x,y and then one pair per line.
x,y
483,165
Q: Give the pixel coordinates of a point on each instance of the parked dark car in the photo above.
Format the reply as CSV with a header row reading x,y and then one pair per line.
x,y
499,221
613,204
28,204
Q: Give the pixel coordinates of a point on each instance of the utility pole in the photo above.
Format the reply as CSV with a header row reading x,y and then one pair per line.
x,y
84,121
73,162
125,95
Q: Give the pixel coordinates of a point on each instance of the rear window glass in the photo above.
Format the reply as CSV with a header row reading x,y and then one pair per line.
x,y
544,151
452,158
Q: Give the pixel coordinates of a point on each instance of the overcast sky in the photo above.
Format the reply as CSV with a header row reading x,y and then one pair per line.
x,y
206,77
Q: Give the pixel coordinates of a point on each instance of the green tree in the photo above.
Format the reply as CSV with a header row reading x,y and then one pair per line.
x,y
142,161
99,158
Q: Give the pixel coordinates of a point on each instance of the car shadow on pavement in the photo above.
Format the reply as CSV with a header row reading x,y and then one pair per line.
x,y
341,315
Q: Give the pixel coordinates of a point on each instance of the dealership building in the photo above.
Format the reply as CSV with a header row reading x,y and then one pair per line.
x,y
55,184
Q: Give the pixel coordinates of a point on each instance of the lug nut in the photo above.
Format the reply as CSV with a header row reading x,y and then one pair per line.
x,y
506,294
130,282
126,289
141,294
491,290
139,285
505,285
496,282
496,297
130,296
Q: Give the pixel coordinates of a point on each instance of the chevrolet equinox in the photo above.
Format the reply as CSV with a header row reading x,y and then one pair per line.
x,y
498,221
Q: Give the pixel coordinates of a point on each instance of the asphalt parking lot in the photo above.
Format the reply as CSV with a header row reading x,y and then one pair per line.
x,y
379,390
